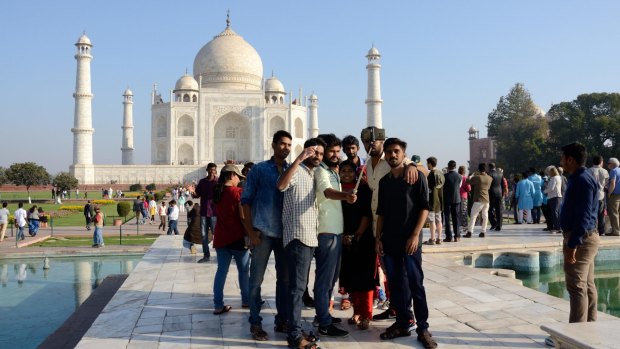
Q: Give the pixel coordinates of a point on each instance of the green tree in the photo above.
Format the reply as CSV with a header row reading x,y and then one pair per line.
x,y
3,179
516,105
28,174
592,119
520,131
65,181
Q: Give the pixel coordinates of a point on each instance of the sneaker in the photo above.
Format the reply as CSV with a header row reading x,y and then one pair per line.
x,y
95,246
429,242
335,320
549,342
332,331
481,235
204,260
426,338
102,245
258,334
385,305
438,242
282,328
468,235
386,315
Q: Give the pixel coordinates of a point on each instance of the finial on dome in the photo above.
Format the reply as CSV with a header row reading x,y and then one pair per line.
x,y
272,73
228,18
185,70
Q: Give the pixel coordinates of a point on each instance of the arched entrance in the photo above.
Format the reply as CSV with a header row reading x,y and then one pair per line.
x,y
232,138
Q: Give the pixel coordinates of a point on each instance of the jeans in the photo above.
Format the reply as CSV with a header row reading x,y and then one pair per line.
x,y
260,259
600,217
454,211
536,214
207,223
553,205
88,221
20,233
98,236
479,208
172,226
298,257
406,280
327,270
224,256
579,279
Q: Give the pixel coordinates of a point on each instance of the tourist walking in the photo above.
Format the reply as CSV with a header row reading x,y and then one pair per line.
x,y
152,209
496,198
89,214
162,212
525,198
229,238
602,178
205,190
613,196
193,233
98,233
435,179
553,190
358,273
401,213
452,203
4,220
20,216
137,208
299,218
581,238
464,191
537,197
480,182
173,217
262,208
33,221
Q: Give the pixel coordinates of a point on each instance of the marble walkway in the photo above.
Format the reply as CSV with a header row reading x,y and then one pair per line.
x,y
167,303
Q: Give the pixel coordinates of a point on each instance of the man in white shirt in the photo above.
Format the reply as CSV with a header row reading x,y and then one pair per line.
x,y
602,177
173,217
20,220
4,220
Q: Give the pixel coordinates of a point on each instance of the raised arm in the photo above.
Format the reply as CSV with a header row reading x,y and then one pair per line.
x,y
285,178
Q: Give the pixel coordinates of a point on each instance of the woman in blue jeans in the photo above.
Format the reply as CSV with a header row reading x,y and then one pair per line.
x,y
229,238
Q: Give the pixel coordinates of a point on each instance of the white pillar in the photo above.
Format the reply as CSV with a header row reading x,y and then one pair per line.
x,y
83,120
374,101
313,110
127,147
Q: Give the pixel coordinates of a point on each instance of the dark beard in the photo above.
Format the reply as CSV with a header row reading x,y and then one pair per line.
x,y
330,163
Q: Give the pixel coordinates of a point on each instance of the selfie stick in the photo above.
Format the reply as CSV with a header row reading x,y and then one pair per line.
x,y
359,179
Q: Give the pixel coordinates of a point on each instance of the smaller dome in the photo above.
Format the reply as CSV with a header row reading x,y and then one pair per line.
x,y
313,97
472,129
373,52
274,85
127,93
84,40
186,82
540,112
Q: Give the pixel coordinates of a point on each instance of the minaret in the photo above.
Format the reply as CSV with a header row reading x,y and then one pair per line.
x,y
374,101
83,119
127,127
313,110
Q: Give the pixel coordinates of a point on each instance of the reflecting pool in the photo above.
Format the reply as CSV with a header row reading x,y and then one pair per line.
x,y
35,301
607,279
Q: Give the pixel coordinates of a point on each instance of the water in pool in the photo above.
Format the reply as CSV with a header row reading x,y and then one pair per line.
x,y
607,280
35,301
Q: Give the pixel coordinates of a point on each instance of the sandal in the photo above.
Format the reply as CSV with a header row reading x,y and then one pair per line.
x,y
305,344
345,304
222,310
394,332
354,320
309,336
429,242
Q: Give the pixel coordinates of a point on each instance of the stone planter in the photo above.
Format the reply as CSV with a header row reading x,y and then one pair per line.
x,y
117,222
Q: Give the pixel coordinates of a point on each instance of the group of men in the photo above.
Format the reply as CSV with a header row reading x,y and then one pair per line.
x,y
294,210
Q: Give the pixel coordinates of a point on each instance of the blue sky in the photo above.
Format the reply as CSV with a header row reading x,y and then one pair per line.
x,y
445,63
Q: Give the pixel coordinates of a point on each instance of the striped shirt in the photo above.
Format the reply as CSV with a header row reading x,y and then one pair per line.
x,y
300,213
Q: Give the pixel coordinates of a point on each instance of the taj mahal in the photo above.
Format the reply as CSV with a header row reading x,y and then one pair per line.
x,y
225,112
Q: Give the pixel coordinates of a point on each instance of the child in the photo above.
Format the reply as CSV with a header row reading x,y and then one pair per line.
x,y
173,217
193,233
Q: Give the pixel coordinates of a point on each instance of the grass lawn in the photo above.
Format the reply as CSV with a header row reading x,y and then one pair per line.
x,y
47,195
81,241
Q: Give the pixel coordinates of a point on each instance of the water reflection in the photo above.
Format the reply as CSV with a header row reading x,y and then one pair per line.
x,y
607,281
29,291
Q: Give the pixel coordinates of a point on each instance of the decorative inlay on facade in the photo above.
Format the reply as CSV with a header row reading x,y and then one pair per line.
x,y
225,109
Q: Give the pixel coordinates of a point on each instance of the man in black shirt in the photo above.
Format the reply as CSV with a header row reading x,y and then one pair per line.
x,y
496,196
401,213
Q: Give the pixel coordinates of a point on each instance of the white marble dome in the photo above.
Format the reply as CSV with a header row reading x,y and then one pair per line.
x,y
229,62
274,85
186,82
373,52
84,40
128,92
